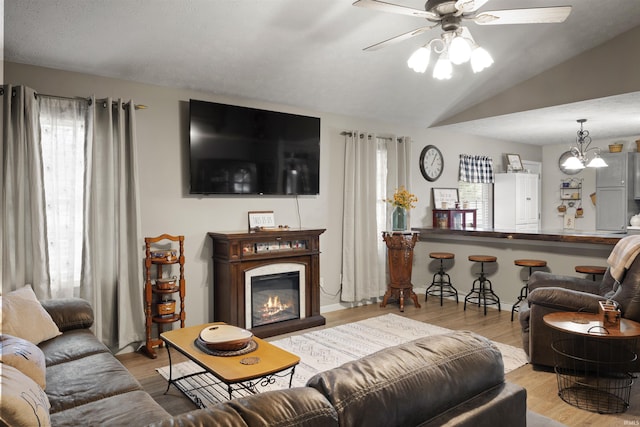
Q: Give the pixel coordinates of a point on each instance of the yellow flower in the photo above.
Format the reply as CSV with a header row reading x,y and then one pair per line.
x,y
402,198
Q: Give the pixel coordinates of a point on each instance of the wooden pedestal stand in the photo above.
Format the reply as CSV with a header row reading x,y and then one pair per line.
x,y
400,253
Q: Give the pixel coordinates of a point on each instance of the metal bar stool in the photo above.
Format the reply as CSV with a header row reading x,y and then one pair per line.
x,y
591,269
524,291
441,284
482,294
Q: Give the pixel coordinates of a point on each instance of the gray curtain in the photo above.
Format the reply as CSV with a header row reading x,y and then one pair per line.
x,y
112,268
374,167
24,246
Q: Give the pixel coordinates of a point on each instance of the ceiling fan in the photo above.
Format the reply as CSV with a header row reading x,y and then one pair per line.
x,y
456,43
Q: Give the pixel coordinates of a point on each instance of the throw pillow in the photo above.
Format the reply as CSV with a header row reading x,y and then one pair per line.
x,y
23,402
24,317
24,356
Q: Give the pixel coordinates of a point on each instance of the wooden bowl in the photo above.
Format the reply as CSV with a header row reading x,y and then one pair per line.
x,y
225,337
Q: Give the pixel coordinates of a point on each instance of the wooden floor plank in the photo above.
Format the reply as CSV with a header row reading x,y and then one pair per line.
x,y
541,384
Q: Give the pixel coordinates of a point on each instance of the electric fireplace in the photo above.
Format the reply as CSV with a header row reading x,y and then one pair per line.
x,y
268,282
274,293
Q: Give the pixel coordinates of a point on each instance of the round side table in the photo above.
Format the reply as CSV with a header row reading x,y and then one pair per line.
x,y
593,364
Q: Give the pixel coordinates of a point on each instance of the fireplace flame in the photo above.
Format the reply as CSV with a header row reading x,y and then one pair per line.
x,y
274,306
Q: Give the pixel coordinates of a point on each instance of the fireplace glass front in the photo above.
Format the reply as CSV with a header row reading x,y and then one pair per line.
x,y
275,298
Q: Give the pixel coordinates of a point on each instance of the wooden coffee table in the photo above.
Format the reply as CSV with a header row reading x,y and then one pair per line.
x,y
245,371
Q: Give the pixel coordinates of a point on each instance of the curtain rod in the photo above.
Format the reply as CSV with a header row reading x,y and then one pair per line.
x,y
136,106
388,138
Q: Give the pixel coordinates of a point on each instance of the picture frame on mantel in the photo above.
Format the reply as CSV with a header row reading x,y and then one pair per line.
x,y
445,198
514,163
261,219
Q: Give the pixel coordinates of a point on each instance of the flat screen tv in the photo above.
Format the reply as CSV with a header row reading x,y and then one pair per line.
x,y
240,150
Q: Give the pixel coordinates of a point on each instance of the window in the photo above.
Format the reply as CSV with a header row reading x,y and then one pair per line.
x,y
62,126
479,197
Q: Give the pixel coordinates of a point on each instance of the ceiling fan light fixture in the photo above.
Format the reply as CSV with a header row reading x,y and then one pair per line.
x,y
419,60
480,59
443,68
459,50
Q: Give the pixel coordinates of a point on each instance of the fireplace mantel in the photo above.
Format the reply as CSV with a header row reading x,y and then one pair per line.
x,y
234,253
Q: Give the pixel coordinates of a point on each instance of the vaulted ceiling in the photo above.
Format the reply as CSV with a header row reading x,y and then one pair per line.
x,y
307,54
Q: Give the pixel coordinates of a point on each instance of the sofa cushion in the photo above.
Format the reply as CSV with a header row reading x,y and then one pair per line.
x,y
71,345
24,356
300,407
436,373
134,408
23,316
88,379
69,313
23,402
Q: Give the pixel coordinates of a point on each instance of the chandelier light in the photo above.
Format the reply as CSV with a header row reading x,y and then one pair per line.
x,y
455,47
580,157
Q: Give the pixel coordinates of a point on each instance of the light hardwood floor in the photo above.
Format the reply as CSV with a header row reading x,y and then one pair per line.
x,y
541,385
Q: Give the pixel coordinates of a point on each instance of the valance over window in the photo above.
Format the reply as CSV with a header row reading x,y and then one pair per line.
x,y
477,169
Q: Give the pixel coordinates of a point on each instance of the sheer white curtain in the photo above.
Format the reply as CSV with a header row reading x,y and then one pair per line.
x,y
112,268
373,165
63,132
24,248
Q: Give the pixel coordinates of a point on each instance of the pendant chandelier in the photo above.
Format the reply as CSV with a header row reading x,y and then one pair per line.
x,y
580,157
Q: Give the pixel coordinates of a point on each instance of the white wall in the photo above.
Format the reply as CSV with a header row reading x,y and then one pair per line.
x,y
163,165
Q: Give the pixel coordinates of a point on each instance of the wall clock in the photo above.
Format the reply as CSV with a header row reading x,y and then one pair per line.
x,y
431,163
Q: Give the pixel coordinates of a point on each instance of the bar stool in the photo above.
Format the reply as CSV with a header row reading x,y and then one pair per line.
x,y
524,291
591,269
441,287
483,293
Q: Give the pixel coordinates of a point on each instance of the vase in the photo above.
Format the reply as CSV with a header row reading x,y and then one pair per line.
x,y
399,219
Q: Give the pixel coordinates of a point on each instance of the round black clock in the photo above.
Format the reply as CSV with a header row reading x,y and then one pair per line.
x,y
431,163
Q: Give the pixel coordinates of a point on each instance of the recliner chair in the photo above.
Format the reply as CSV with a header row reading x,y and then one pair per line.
x,y
550,293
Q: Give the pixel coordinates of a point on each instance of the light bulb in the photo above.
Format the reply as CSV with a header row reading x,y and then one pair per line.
x,y
573,163
419,60
597,162
459,50
480,59
443,68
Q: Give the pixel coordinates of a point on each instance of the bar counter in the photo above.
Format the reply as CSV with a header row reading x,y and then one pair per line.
x,y
566,236
561,249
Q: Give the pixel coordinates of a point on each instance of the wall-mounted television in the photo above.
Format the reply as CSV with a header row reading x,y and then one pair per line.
x,y
241,150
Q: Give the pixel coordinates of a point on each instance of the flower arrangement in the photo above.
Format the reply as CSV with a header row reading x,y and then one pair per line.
x,y
403,199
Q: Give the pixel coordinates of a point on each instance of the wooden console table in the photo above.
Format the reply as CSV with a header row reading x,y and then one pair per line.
x,y
236,253
400,253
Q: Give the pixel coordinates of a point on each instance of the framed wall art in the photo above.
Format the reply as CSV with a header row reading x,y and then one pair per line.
x,y
261,219
514,163
445,198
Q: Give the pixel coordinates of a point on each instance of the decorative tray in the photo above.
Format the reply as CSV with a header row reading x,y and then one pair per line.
x,y
225,337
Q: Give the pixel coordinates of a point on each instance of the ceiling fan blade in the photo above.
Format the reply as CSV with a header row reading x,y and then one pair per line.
x,y
395,8
399,38
466,6
539,15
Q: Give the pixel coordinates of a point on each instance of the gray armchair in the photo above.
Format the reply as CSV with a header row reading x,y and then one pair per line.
x,y
550,293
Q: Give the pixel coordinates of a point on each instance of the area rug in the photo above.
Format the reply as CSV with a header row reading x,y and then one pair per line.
x,y
325,349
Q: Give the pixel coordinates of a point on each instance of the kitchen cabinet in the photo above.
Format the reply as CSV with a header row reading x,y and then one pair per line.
x,y
516,201
615,201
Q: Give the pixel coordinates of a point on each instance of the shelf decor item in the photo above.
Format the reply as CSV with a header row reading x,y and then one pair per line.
x,y
402,201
